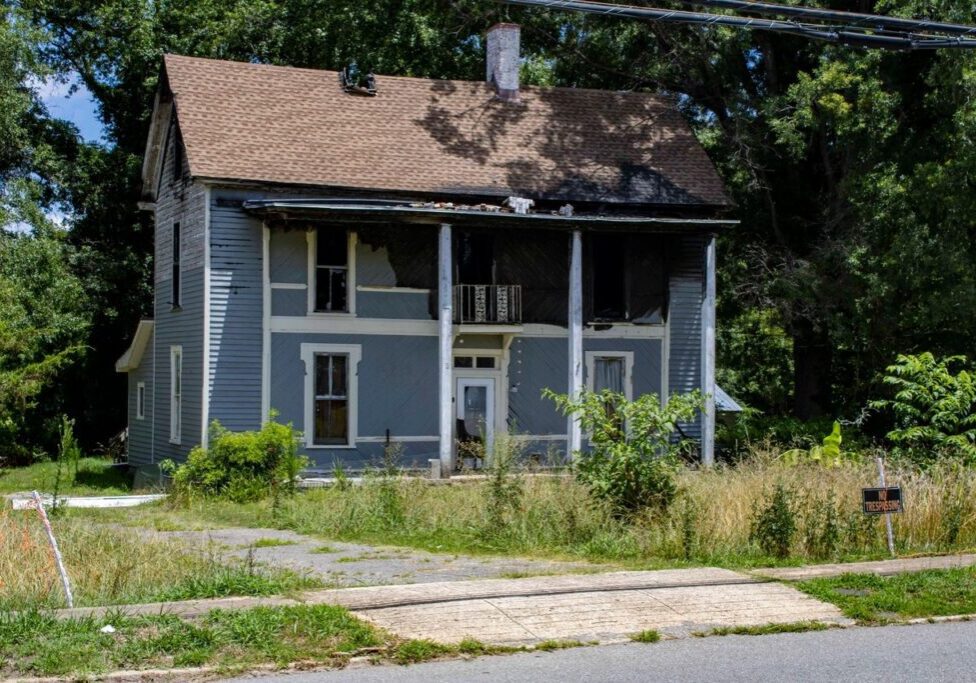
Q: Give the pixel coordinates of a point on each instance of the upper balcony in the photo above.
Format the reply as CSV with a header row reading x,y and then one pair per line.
x,y
487,304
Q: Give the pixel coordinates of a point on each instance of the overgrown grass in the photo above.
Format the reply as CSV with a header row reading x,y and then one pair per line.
x,y
271,542
96,477
34,643
109,566
882,599
648,636
765,629
711,521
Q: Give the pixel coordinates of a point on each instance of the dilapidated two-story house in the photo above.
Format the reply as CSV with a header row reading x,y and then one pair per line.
x,y
413,261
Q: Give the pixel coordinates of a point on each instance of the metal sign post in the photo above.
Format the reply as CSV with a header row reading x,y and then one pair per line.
x,y
891,534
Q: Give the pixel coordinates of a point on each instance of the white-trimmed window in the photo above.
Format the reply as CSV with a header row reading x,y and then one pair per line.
x,y
611,371
331,394
175,394
141,401
332,270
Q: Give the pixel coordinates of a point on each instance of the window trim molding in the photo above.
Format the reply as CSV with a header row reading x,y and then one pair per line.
x,y
352,239
140,400
175,416
628,357
355,354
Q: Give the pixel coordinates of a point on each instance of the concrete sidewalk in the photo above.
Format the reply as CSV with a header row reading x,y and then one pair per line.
x,y
606,608
880,567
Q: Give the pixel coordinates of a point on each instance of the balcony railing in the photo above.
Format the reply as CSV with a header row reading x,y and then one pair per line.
x,y
488,304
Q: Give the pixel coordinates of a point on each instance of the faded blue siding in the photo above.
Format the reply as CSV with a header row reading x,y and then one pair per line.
x,y
289,302
397,390
399,305
139,445
178,200
686,283
536,363
288,256
236,314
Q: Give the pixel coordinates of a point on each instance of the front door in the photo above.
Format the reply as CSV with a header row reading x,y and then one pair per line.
x,y
475,412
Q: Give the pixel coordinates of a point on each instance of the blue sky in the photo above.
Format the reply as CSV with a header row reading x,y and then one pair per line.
x,y
78,107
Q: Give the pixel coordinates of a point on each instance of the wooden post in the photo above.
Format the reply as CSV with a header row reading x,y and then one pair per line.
x,y
708,356
446,337
574,440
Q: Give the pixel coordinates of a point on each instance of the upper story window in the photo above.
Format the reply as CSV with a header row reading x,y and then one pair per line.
x,y
177,283
332,277
609,277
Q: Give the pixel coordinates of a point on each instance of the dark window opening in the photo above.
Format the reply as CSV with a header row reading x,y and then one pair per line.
x,y
331,270
177,248
331,400
609,277
475,259
177,158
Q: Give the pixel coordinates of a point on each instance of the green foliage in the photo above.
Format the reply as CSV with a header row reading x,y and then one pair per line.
x,y
43,319
633,456
241,466
505,488
934,406
774,524
828,453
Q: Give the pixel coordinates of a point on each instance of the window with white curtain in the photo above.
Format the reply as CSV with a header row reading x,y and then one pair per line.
x,y
610,371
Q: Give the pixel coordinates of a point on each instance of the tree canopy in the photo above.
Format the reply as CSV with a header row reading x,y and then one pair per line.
x,y
852,170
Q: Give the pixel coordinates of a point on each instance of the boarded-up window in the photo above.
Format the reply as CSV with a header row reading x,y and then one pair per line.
x,y
331,399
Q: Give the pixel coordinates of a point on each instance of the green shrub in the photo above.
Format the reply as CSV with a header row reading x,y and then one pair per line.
x,y
828,453
634,457
241,466
934,408
774,525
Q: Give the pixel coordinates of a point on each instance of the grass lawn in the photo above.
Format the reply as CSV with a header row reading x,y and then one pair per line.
x,y
34,643
875,599
96,477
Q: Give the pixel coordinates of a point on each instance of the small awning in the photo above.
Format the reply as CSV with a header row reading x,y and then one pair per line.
x,y
725,403
132,357
384,210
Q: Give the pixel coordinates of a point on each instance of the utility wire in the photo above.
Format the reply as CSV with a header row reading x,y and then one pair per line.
x,y
815,13
847,34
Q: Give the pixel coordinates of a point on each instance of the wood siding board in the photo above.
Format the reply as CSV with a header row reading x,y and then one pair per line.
x,y
139,444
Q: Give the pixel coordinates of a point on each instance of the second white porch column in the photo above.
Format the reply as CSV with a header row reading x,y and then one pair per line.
x,y
446,337
574,440
708,356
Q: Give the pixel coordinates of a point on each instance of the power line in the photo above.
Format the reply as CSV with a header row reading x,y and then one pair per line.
x,y
849,33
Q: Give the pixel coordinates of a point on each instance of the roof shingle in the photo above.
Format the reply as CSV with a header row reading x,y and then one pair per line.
x,y
274,124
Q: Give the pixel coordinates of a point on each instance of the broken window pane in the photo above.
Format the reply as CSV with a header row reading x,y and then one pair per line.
x,y
331,270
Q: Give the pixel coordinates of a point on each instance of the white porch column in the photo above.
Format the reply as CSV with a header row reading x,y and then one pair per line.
x,y
446,337
574,441
708,356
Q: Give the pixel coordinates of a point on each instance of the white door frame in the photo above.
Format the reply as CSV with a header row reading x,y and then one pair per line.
x,y
488,379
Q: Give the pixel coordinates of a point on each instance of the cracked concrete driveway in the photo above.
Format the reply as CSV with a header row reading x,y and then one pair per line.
x,y
352,564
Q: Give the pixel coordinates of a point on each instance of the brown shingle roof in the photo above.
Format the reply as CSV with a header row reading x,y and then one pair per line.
x,y
275,124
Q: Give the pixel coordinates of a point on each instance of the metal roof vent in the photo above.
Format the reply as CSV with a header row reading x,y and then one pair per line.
x,y
354,82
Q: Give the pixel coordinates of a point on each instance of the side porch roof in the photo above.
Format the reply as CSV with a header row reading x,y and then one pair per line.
x,y
131,359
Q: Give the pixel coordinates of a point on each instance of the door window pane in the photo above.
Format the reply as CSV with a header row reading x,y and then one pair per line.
x,y
475,410
609,375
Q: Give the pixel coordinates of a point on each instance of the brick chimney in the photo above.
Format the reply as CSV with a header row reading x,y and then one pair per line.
x,y
503,60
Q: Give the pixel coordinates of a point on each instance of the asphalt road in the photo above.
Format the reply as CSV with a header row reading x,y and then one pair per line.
x,y
927,652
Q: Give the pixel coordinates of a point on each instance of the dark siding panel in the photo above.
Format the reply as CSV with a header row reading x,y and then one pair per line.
x,y
684,310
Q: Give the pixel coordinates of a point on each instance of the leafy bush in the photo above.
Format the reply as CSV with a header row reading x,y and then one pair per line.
x,y
828,453
241,466
634,456
934,406
774,525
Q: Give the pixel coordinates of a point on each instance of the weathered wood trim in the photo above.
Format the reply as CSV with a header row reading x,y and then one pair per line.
x,y
445,307
708,357
575,336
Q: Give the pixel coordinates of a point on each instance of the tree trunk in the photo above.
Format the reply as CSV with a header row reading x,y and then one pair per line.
x,y
811,372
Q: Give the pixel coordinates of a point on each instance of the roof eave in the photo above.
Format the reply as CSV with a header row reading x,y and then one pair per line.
x,y
132,358
384,211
